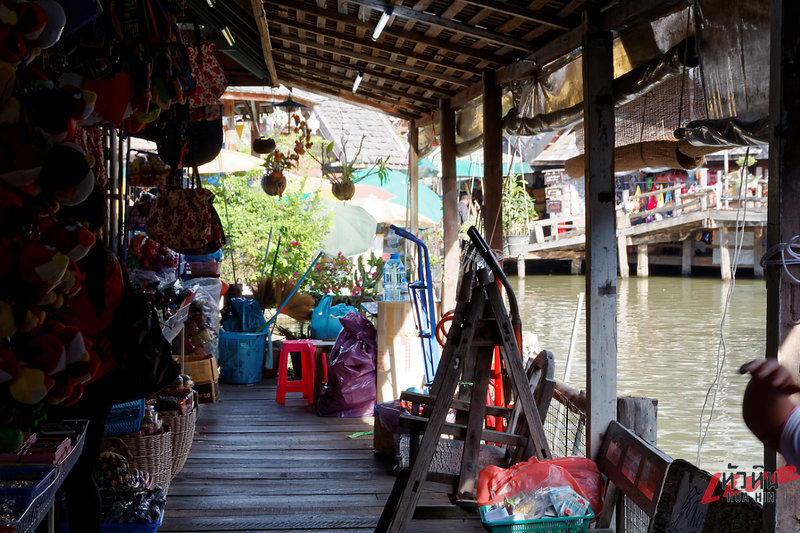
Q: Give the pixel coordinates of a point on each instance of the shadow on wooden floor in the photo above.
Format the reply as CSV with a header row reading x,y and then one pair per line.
x,y
259,466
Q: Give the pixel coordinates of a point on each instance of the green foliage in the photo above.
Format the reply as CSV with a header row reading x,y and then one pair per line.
x,y
347,168
518,207
250,214
750,161
367,278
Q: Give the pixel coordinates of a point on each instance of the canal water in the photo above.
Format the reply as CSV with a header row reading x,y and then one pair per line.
x,y
668,342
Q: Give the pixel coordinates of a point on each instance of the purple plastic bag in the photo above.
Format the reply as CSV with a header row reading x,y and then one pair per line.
x,y
351,389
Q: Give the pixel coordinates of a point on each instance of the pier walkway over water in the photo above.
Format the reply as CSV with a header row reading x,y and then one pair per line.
x,y
695,228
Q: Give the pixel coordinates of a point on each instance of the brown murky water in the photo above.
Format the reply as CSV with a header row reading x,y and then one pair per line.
x,y
668,342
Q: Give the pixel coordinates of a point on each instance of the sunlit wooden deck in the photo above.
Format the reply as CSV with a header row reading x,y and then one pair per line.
x,y
259,466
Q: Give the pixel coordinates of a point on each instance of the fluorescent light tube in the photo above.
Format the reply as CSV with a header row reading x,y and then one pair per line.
x,y
228,36
359,77
382,23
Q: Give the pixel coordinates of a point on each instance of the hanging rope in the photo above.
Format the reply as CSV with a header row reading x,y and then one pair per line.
x,y
713,389
228,222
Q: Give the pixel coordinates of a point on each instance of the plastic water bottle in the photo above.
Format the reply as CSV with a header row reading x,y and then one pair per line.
x,y
391,278
402,281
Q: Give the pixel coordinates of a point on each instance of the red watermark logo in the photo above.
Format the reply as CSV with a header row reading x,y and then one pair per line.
x,y
761,484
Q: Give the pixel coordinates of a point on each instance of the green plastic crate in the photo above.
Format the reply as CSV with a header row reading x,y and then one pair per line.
x,y
574,524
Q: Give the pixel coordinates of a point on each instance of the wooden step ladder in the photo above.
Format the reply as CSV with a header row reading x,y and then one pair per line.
x,y
480,323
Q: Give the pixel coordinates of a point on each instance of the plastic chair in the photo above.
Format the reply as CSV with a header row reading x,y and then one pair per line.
x,y
306,382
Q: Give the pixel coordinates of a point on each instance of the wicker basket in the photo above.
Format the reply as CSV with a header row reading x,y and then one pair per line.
x,y
152,453
182,433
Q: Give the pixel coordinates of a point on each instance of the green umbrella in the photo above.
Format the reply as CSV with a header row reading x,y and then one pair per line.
x,y
352,229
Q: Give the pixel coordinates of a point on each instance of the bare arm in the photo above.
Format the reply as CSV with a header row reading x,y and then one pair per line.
x,y
767,399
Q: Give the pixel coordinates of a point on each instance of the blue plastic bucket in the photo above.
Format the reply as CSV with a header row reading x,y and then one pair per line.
x,y
241,356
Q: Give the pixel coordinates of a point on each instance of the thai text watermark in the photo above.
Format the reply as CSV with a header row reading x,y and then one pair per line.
x,y
758,484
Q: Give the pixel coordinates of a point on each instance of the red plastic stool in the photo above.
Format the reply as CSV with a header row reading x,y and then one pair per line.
x,y
306,383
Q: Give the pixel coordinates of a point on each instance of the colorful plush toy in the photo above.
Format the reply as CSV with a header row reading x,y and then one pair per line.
x,y
8,364
84,371
42,266
64,388
67,174
30,385
20,162
47,353
70,238
55,20
8,324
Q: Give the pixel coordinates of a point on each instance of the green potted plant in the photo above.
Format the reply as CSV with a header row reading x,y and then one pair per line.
x,y
342,176
519,211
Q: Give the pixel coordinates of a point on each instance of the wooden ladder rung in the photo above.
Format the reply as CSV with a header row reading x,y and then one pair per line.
x,y
459,405
460,430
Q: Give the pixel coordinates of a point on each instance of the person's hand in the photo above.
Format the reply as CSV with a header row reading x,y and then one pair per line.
x,y
769,373
767,399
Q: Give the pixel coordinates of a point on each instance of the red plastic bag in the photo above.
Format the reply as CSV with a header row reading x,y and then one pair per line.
x,y
580,473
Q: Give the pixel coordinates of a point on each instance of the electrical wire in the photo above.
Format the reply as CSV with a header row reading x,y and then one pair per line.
x,y
713,388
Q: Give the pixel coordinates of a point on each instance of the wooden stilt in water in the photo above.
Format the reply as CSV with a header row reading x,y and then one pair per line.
x,y
687,254
724,254
642,264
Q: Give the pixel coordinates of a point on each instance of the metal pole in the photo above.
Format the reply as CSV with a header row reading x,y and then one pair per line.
x,y
574,337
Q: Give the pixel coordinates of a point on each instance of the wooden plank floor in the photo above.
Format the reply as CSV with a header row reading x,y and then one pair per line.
x,y
259,466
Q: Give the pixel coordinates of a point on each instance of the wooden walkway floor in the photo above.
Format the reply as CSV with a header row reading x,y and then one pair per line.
x,y
259,466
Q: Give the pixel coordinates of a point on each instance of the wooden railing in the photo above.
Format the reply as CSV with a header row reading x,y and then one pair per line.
x,y
699,197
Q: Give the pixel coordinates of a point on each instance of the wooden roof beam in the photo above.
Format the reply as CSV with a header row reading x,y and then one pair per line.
x,y
310,85
376,46
370,87
624,14
439,22
372,59
261,23
441,44
522,13
366,70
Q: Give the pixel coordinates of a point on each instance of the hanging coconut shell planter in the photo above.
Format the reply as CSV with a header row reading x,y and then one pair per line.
x,y
343,190
273,184
277,162
343,180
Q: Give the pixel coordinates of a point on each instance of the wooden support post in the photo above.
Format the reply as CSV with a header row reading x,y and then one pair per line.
x,y
447,131
758,250
601,259
575,266
724,254
622,252
492,161
642,262
687,254
783,221
229,123
413,196
521,267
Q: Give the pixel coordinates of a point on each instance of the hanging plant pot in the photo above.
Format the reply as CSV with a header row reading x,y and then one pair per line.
x,y
263,146
273,184
343,190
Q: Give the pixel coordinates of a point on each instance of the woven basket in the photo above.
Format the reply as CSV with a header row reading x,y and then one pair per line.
x,y
182,433
152,453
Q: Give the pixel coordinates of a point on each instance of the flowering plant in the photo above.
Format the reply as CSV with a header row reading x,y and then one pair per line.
x,y
277,161
332,276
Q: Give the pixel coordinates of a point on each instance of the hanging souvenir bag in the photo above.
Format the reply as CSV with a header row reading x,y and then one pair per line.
x,y
181,219
208,75
217,240
195,135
